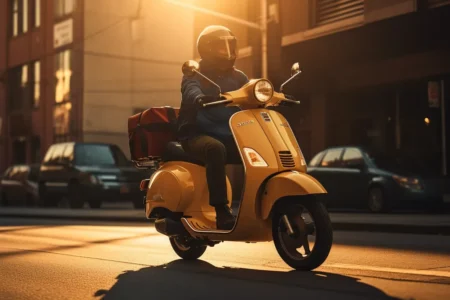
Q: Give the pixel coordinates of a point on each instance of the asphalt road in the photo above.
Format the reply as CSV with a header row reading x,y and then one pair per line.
x,y
56,259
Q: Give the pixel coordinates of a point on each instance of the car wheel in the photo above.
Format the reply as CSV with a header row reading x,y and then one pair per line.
x,y
75,196
376,201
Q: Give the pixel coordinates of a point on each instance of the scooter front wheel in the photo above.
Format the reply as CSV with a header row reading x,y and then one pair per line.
x,y
302,233
187,249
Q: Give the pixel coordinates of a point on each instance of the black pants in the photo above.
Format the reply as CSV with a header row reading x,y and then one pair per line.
x,y
215,154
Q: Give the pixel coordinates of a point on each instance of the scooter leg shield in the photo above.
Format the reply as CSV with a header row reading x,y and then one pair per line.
x,y
287,184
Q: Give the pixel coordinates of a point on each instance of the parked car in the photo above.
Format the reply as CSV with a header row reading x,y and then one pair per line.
x,y
356,179
19,186
88,172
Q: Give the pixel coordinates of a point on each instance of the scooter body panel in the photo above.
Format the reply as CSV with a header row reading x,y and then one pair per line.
x,y
181,187
268,133
289,183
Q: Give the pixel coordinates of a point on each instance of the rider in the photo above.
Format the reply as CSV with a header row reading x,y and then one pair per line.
x,y
205,133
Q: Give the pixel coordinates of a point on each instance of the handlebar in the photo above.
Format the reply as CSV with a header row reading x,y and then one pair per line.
x,y
217,103
227,99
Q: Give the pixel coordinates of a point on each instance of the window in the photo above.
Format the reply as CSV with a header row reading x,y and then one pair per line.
x,y
20,87
98,155
353,158
64,7
25,15
315,161
68,153
37,13
15,18
57,154
332,159
330,11
63,74
37,84
19,17
63,106
49,154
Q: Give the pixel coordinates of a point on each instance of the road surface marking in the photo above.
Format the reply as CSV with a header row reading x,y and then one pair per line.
x,y
390,270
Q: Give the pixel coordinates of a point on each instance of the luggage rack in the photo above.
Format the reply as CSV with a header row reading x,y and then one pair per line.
x,y
149,162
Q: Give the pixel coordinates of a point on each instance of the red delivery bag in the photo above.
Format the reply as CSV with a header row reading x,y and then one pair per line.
x,y
150,131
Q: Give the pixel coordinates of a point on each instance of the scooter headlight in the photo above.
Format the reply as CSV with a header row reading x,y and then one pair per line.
x,y
263,90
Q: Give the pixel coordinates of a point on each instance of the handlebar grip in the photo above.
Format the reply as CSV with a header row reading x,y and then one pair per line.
x,y
291,101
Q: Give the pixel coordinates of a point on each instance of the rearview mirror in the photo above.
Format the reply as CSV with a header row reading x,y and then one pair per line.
x,y
190,68
295,69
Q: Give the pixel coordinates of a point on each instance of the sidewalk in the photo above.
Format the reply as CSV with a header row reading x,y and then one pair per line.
x,y
398,223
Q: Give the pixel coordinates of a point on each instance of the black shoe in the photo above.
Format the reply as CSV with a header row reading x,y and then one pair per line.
x,y
224,219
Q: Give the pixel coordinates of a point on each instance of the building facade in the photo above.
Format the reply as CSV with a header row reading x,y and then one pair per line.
x,y
375,72
76,70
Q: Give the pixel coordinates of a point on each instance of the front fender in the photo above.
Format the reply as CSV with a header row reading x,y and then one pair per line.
x,y
288,184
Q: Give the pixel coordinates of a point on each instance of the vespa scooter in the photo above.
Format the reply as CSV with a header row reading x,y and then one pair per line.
x,y
278,198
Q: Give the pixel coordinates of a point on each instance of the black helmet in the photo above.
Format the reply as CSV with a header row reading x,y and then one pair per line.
x,y
217,45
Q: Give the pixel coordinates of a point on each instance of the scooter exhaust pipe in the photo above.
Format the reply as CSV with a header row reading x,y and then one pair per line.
x,y
169,227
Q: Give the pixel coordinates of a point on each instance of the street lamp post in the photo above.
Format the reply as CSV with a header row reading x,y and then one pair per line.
x,y
262,27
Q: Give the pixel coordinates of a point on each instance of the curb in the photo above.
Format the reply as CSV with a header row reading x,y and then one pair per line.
x,y
337,226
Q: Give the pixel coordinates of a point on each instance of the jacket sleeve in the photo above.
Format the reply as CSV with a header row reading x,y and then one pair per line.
x,y
190,90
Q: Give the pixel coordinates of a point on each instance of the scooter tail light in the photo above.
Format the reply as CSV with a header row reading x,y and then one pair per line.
x,y
144,184
254,158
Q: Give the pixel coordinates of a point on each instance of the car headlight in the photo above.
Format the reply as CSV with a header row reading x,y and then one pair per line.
x,y
263,90
408,183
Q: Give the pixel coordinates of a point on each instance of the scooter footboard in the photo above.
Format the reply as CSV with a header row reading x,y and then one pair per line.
x,y
285,184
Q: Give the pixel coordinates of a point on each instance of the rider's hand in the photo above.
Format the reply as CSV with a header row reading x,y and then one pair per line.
x,y
203,99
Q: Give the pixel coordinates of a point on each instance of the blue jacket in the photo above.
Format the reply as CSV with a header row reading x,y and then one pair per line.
x,y
211,121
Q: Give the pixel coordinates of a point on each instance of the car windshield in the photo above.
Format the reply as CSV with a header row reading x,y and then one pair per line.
x,y
100,155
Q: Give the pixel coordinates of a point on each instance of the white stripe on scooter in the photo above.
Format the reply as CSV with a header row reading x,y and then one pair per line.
x,y
390,270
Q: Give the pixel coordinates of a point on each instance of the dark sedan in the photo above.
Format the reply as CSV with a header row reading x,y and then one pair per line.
x,y
356,179
88,172
18,185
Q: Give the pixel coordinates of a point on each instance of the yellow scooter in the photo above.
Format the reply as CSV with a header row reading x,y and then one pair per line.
x,y
277,201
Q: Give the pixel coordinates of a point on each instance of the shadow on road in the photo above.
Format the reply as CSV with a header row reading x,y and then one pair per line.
x,y
201,280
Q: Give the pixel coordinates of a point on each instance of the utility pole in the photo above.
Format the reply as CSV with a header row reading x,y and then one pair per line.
x,y
262,27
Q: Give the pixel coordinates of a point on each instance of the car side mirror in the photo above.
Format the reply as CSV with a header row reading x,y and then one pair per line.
x,y
295,71
190,68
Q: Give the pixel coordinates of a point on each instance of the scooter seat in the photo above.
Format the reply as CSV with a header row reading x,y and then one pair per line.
x,y
175,152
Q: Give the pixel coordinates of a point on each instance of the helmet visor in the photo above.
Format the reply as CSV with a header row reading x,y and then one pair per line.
x,y
224,47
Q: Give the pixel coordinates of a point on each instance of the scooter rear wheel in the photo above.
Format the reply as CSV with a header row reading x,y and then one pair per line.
x,y
187,249
291,244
